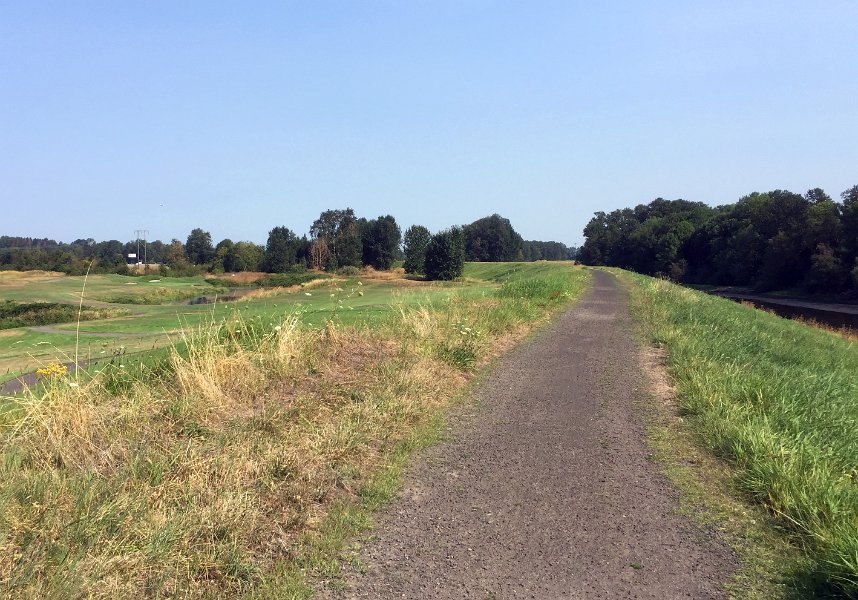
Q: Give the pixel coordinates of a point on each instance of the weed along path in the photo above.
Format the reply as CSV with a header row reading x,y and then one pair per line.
x,y
546,490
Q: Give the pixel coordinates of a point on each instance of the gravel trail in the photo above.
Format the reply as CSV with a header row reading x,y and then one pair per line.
x,y
546,490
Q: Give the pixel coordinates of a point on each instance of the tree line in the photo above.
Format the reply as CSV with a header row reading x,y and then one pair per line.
x,y
338,240
776,240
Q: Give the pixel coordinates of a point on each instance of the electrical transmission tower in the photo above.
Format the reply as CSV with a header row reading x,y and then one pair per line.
x,y
144,233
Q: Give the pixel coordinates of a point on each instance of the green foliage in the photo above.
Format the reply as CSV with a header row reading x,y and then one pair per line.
x,y
776,240
283,250
380,238
175,258
532,250
492,239
336,240
778,400
416,241
243,256
221,250
198,247
445,255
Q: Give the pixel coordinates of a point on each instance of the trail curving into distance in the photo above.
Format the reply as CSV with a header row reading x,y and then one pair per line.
x,y
546,491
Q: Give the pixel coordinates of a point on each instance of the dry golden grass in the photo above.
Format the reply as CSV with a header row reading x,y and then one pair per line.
x,y
14,275
243,278
204,481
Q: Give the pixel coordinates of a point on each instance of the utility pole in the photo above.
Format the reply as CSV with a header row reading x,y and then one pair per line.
x,y
144,233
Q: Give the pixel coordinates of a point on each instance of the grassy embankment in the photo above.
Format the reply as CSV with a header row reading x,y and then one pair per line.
x,y
147,327
239,466
779,401
31,314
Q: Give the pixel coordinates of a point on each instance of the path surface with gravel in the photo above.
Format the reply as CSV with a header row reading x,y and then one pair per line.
x,y
546,489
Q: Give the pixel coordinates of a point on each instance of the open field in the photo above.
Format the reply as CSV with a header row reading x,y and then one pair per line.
x,y
238,463
150,326
776,399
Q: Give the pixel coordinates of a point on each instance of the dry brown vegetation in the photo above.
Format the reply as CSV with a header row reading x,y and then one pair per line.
x,y
242,278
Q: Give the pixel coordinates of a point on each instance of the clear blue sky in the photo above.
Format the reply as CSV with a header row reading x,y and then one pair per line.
x,y
240,116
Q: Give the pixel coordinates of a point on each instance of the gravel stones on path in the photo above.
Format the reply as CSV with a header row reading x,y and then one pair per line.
x,y
547,489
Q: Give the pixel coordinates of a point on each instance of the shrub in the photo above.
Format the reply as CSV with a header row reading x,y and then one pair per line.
x,y
348,271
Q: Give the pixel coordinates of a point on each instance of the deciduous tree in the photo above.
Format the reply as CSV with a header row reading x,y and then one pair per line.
x,y
198,247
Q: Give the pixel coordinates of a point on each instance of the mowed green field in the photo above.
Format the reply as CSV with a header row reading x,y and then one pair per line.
x,y
147,327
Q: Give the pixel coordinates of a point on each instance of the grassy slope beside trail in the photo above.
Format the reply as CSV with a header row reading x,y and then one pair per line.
x,y
239,467
778,400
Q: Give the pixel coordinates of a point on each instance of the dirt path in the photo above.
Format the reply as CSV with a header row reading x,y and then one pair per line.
x,y
546,491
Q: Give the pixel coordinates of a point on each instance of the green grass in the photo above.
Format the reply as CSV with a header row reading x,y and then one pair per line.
x,y
342,300
779,401
63,289
241,460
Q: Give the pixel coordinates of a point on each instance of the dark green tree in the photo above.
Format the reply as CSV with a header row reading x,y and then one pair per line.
x,y
198,247
416,241
281,251
849,223
221,252
380,240
445,255
110,257
492,239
